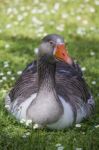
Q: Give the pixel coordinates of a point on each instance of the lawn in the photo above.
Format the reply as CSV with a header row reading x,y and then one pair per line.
x,y
22,25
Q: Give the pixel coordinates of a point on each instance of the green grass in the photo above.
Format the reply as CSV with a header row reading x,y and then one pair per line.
x,y
21,30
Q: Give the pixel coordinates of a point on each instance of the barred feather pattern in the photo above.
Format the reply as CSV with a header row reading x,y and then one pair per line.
x,y
70,84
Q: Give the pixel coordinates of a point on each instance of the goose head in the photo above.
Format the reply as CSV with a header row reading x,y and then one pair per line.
x,y
52,48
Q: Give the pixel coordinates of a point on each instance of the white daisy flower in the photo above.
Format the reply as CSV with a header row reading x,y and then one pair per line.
x,y
7,46
6,65
78,125
36,126
0,30
92,9
78,18
28,122
93,82
80,31
9,10
22,121
1,73
60,148
19,72
4,78
25,135
8,26
85,22
9,72
97,126
7,107
56,6
60,27
92,53
83,68
58,144
12,78
78,149
20,17
36,50
65,15
96,2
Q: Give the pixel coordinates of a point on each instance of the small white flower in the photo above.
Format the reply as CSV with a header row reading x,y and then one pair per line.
x,y
85,22
97,126
56,6
20,17
83,68
60,27
0,31
65,1
92,28
92,9
78,125
86,1
78,18
26,134
8,26
12,78
80,31
7,107
22,121
7,46
6,65
9,10
93,82
1,73
41,29
92,53
19,72
36,21
9,72
58,144
96,2
60,148
78,149
28,122
34,11
83,132
36,126
36,50
25,14
4,78
65,15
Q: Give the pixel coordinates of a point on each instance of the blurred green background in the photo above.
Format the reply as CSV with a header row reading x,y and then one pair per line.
x,y
22,25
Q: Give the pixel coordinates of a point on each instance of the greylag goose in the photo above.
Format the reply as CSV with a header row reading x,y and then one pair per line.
x,y
51,91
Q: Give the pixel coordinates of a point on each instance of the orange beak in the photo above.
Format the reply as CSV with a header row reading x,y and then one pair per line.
x,y
62,54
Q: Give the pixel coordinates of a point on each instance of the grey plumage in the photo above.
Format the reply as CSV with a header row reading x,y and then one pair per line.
x,y
47,76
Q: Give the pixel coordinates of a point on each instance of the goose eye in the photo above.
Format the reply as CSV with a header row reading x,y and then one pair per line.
x,y
52,43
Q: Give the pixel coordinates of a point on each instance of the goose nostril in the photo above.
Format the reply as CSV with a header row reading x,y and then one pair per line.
x,y
63,54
